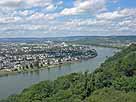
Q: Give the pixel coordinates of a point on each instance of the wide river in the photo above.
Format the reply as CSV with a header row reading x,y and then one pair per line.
x,y
14,84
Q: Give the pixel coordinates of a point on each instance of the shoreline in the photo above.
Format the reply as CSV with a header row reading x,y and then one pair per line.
x,y
7,73
104,46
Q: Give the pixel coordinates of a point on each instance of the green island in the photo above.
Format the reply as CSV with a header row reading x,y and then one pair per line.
x,y
113,81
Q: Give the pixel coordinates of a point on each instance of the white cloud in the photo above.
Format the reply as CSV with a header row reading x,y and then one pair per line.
x,y
60,3
80,6
24,3
9,19
71,11
10,3
121,21
49,17
117,14
110,15
42,16
37,16
23,13
50,7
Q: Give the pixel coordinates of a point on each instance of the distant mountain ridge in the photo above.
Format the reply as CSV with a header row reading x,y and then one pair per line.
x,y
70,38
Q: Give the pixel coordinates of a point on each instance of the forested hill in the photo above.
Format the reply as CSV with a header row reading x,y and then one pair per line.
x,y
114,81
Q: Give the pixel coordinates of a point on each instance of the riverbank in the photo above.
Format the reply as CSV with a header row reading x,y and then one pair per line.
x,y
6,73
108,46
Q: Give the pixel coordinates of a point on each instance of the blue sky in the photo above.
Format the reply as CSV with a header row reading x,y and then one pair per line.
x,y
49,18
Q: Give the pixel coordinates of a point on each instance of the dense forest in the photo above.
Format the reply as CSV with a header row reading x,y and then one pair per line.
x,y
114,81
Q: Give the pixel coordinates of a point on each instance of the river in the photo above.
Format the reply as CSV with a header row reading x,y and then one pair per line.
x,y
13,84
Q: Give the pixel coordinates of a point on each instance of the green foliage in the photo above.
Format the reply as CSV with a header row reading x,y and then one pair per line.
x,y
111,95
114,81
125,84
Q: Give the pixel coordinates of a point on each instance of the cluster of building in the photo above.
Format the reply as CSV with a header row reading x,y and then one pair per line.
x,y
22,56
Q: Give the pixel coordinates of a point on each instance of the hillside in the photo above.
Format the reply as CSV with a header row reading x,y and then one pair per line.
x,y
114,81
105,41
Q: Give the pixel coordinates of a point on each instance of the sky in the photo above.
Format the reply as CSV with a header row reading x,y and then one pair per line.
x,y
55,18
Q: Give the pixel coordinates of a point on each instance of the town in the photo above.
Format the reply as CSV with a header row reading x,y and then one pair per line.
x,y
25,56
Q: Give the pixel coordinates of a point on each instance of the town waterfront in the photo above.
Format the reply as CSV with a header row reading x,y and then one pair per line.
x,y
15,83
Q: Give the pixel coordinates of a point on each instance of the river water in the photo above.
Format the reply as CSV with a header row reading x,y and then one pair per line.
x,y
13,84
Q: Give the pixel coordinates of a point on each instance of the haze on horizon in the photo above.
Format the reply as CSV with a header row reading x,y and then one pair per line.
x,y
55,18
